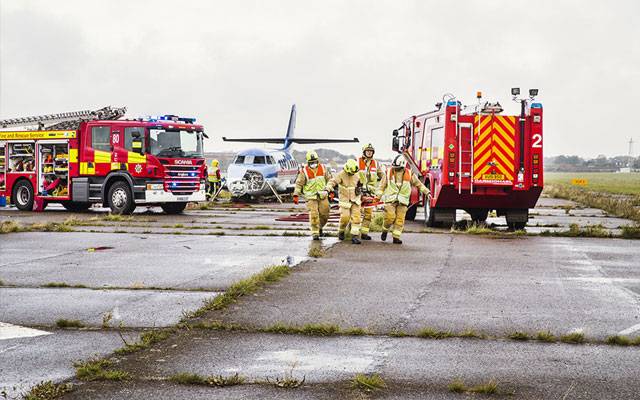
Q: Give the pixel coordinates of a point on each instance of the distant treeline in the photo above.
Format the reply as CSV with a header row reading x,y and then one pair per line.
x,y
601,163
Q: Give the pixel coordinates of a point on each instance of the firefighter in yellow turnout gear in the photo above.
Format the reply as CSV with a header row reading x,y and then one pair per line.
x,y
213,177
373,175
395,189
350,182
311,182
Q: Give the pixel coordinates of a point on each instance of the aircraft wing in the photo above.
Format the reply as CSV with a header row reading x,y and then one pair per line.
x,y
291,140
256,140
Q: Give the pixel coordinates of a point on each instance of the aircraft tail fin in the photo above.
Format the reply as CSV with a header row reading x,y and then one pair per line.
x,y
290,128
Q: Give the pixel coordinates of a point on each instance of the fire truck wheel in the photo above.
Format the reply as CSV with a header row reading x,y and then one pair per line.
x,y
75,206
411,212
120,198
173,208
23,195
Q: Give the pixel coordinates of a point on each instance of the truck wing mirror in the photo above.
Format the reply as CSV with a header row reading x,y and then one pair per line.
x,y
395,144
395,132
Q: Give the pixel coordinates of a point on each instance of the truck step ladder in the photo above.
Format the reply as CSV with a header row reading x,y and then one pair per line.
x,y
65,120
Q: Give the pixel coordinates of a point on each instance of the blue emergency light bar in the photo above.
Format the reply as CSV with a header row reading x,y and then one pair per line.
x,y
172,118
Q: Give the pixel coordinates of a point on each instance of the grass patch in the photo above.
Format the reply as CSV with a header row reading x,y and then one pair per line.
x,y
631,232
48,391
185,378
490,387
457,386
295,234
308,329
545,336
147,339
377,222
518,336
478,229
622,205
430,333
618,340
573,338
99,370
576,230
355,332
262,227
9,227
242,288
69,323
368,383
62,285
470,334
117,217
316,252
398,333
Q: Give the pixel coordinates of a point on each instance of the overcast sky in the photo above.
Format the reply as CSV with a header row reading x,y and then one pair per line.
x,y
354,68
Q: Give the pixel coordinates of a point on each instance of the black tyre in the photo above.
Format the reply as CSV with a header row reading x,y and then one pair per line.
x,y
22,195
517,219
516,226
173,208
411,212
76,206
478,216
120,198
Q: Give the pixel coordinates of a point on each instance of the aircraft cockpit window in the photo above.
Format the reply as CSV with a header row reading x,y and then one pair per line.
x,y
270,160
239,160
259,160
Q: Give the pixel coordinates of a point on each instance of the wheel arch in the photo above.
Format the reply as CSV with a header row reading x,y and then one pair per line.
x,y
113,177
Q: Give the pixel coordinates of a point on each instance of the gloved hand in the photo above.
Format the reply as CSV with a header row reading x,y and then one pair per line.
x,y
331,195
296,199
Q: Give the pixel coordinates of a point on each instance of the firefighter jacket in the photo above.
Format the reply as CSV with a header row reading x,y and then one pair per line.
x,y
372,173
213,175
312,181
395,186
349,187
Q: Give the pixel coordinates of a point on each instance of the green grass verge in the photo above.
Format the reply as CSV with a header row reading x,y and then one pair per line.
x,y
99,370
48,391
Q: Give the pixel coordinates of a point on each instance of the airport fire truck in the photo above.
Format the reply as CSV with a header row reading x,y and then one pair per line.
x,y
476,159
86,157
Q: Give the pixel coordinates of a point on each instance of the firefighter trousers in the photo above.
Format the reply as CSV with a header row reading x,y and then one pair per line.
x,y
367,216
350,215
318,214
213,189
394,214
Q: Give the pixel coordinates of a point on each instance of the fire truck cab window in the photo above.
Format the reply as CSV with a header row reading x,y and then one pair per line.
x,y
128,138
100,138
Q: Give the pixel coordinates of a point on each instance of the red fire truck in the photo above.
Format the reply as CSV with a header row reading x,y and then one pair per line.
x,y
81,158
475,159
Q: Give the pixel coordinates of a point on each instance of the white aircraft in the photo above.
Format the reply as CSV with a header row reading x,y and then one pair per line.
x,y
258,172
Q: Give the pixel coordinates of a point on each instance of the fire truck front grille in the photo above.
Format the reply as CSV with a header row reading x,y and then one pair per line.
x,y
181,179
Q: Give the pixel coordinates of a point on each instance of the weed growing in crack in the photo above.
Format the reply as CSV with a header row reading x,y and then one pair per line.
x,y
368,383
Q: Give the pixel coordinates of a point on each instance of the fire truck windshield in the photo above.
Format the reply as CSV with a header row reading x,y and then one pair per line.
x,y
174,143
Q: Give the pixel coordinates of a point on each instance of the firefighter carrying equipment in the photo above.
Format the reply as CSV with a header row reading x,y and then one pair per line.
x,y
311,182
369,167
350,198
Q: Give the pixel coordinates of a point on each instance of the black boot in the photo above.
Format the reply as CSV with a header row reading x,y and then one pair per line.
x,y
397,241
383,237
321,233
364,236
340,235
355,240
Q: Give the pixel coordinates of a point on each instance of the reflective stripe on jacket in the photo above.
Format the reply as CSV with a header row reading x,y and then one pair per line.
x,y
316,182
398,193
371,173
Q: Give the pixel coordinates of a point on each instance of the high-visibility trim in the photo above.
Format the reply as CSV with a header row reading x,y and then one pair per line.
x,y
504,135
73,155
494,146
355,229
101,157
396,233
87,168
35,135
136,158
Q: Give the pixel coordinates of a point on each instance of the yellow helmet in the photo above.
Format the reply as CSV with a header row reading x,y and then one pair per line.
x,y
215,163
351,166
368,146
312,156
